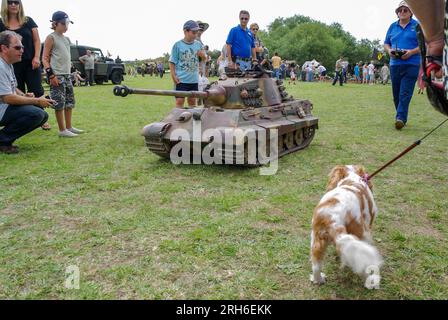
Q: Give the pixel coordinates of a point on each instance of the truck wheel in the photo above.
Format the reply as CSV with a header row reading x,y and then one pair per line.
x,y
116,77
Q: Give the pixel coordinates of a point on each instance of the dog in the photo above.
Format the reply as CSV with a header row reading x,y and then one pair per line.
x,y
344,217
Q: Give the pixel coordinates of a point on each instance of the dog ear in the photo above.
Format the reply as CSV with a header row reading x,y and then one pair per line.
x,y
361,171
337,174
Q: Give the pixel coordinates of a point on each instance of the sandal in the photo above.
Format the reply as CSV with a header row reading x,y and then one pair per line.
x,y
46,126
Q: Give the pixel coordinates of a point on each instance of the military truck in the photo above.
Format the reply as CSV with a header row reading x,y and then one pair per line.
x,y
105,68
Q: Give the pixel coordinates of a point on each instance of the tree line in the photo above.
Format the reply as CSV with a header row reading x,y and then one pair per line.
x,y
301,38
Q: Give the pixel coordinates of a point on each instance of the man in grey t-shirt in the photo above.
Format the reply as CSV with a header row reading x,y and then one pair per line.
x,y
89,65
18,112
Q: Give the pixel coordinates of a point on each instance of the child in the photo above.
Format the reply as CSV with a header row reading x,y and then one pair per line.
x,y
292,76
57,63
184,63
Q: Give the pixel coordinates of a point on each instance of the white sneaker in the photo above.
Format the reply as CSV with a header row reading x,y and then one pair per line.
x,y
75,131
67,134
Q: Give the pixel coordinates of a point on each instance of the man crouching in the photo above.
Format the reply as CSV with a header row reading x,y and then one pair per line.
x,y
18,112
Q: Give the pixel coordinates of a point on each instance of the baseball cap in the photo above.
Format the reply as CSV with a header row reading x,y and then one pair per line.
x,y
202,25
402,4
191,25
59,16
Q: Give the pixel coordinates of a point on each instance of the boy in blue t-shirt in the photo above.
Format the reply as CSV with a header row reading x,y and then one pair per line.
x,y
184,62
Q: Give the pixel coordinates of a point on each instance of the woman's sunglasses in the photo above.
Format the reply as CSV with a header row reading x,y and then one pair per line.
x,y
17,3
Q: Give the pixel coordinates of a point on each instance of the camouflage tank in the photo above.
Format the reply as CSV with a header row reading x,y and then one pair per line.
x,y
251,101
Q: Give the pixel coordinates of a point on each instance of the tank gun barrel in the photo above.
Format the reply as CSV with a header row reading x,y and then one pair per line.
x,y
217,93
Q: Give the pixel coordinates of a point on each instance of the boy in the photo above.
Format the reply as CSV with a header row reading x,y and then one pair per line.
x,y
57,63
184,63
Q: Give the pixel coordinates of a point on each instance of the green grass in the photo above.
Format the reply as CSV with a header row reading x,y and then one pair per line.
x,y
140,227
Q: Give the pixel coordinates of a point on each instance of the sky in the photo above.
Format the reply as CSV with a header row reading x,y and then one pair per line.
x,y
139,29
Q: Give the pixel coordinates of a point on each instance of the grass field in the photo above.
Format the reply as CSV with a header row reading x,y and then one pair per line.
x,y
140,227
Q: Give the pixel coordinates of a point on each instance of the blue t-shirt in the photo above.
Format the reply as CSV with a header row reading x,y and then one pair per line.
x,y
185,57
242,42
357,70
403,38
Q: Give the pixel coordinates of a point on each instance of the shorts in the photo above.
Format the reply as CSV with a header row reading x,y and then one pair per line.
x,y
324,73
187,87
63,94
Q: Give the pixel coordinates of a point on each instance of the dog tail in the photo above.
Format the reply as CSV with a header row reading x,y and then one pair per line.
x,y
363,258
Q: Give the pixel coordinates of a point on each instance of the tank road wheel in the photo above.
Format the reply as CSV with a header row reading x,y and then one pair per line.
x,y
289,140
308,136
298,137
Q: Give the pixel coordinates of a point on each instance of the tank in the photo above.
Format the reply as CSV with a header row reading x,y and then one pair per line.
x,y
239,102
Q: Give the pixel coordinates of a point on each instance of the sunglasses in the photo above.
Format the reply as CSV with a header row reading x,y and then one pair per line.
x,y
194,32
255,29
403,10
244,19
17,3
18,48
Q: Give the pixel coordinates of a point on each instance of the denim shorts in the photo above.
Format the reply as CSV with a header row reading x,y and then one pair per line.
x,y
63,94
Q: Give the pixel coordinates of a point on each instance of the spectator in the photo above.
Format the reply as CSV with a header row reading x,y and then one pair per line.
x,y
371,68
202,62
28,71
88,60
365,74
292,75
322,72
222,61
18,112
357,76
276,63
385,74
338,72
309,73
161,69
184,62
283,70
241,44
76,75
258,45
57,63
402,45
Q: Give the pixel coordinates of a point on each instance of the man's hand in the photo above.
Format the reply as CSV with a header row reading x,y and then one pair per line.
x,y
35,63
44,102
54,82
407,55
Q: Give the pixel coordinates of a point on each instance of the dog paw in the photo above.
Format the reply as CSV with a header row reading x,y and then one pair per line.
x,y
321,280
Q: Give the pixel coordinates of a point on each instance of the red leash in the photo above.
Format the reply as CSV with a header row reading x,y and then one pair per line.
x,y
409,149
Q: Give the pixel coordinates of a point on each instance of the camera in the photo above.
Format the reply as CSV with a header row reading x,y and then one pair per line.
x,y
398,53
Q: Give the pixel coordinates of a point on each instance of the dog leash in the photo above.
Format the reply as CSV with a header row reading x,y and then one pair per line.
x,y
409,149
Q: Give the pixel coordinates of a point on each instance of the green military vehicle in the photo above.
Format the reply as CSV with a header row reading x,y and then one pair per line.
x,y
105,68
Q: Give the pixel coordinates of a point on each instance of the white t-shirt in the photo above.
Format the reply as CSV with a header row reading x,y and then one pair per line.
x,y
371,69
8,84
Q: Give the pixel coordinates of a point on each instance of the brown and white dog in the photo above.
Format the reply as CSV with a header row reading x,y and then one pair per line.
x,y
344,217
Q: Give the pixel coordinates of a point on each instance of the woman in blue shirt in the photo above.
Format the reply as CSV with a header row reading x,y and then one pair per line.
x,y
402,45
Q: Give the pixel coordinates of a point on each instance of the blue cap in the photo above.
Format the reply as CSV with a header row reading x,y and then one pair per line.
x,y
59,16
191,25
